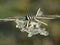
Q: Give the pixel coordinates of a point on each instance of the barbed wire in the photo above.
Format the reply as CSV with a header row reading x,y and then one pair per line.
x,y
32,25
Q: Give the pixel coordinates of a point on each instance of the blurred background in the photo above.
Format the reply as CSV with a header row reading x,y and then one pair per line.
x,y
10,35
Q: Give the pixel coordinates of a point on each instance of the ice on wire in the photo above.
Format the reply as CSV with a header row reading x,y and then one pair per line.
x,y
31,27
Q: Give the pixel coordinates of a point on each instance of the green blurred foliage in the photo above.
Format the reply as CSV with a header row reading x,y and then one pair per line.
x,y
10,8
18,7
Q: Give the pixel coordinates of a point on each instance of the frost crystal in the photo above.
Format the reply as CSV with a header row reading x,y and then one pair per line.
x,y
20,23
33,29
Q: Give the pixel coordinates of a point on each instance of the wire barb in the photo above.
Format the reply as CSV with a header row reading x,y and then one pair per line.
x,y
40,22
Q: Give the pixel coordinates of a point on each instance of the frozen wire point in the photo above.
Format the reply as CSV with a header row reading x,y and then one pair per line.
x,y
39,12
32,27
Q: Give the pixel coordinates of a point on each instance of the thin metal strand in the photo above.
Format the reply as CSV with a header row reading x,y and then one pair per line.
x,y
38,12
44,18
27,24
40,22
7,19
